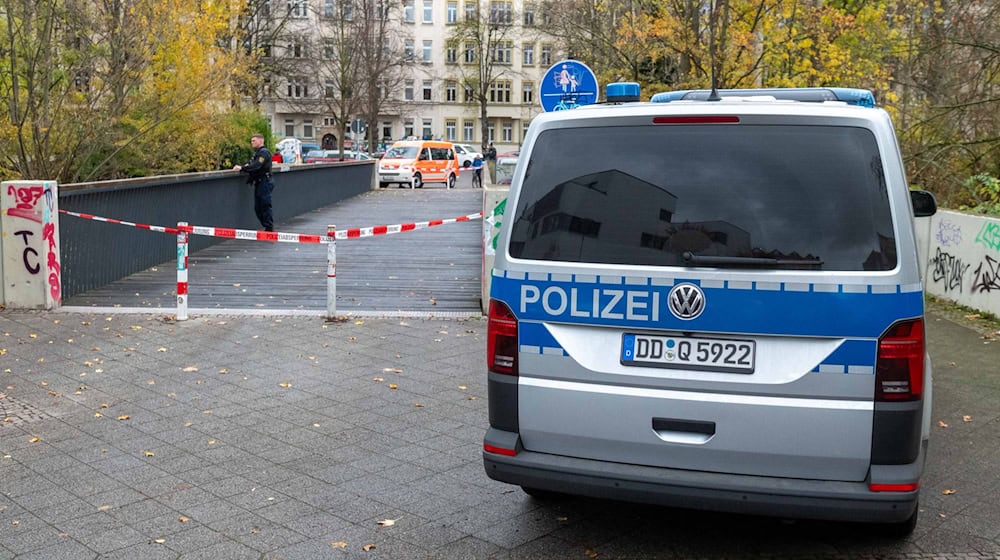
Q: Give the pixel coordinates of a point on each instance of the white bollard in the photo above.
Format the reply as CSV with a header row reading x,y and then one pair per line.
x,y
331,273
182,273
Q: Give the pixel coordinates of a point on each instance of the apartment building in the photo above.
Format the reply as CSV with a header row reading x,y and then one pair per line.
x,y
430,100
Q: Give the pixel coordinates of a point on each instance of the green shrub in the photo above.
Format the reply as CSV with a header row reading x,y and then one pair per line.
x,y
982,194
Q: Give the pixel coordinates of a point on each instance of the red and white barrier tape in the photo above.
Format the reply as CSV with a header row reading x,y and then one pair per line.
x,y
230,233
161,229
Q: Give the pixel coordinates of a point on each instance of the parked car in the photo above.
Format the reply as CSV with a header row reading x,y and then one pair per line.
x,y
415,162
325,156
466,154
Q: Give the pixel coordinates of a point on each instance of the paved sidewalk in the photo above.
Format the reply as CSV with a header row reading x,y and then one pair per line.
x,y
132,437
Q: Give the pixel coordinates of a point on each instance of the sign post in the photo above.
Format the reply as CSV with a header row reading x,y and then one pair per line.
x,y
567,84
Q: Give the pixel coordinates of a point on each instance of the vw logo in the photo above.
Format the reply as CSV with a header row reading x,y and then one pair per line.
x,y
686,301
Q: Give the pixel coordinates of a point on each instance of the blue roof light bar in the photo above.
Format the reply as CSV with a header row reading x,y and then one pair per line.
x,y
851,96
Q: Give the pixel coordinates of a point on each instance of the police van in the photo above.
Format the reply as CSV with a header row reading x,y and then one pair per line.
x,y
712,300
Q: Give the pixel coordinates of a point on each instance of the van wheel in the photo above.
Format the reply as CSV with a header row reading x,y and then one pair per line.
x,y
418,181
544,495
451,181
466,163
901,529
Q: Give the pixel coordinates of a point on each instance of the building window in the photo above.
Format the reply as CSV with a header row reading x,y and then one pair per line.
x,y
451,55
546,57
307,129
348,10
298,8
408,10
427,129
408,128
265,8
529,15
297,48
408,90
408,50
451,92
471,7
298,87
329,121
428,46
528,93
528,52
500,91
428,11
428,84
328,8
467,131
329,49
289,128
489,133
452,11
501,12
449,130
470,53
502,52
329,89
524,130
508,132
386,129
469,97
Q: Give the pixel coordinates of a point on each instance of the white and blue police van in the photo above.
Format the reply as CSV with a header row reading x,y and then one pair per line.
x,y
712,300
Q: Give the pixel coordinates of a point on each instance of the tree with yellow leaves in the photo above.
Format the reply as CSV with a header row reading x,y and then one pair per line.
x,y
103,89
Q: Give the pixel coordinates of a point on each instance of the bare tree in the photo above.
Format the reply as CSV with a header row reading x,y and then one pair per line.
x,y
484,39
259,28
382,61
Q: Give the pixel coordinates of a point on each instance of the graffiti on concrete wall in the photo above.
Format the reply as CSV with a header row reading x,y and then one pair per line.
x,y
948,270
987,276
36,205
989,236
949,234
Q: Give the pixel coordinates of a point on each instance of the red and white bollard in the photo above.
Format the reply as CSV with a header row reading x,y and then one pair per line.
x,y
331,273
182,273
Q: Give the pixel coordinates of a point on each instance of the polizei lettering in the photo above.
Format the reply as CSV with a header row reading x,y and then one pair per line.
x,y
595,303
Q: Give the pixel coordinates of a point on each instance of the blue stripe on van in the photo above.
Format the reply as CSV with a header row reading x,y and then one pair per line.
x,y
852,356
822,310
534,338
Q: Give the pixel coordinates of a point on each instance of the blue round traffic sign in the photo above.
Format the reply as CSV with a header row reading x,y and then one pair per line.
x,y
567,84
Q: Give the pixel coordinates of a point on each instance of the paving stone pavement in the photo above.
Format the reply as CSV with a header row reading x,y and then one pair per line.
x,y
249,437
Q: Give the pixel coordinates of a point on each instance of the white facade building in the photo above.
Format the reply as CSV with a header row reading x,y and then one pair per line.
x,y
432,100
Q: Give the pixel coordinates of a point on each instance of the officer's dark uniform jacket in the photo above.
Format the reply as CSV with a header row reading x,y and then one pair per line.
x,y
259,168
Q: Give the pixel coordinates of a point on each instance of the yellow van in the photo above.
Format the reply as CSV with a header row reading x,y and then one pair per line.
x,y
415,162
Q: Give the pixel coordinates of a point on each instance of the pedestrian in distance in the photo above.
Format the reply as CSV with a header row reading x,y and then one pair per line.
x,y
491,162
259,169
477,172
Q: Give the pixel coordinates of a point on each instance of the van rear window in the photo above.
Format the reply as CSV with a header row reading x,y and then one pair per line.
x,y
757,196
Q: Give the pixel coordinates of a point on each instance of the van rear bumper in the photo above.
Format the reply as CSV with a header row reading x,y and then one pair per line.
x,y
757,495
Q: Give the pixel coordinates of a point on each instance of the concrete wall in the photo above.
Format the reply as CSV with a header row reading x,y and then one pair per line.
x,y
30,264
494,204
960,256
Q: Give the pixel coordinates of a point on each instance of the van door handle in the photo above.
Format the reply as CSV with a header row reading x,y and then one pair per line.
x,y
676,430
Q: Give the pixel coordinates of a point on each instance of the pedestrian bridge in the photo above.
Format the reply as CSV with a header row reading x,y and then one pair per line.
x,y
434,270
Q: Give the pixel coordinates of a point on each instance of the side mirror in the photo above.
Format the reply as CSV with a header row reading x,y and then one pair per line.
x,y
924,204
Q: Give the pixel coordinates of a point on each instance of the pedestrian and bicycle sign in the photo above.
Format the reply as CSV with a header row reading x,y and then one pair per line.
x,y
567,84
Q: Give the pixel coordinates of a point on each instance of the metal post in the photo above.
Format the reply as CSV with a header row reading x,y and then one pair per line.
x,y
182,273
331,273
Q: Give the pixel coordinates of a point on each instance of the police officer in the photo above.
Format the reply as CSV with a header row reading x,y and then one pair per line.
x,y
259,168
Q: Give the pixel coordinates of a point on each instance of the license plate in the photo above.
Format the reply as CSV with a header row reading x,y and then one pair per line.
x,y
688,352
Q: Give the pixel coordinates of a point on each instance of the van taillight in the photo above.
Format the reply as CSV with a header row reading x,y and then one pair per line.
x,y
501,339
899,369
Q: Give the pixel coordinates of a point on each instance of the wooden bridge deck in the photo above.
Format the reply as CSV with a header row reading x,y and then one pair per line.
x,y
432,270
